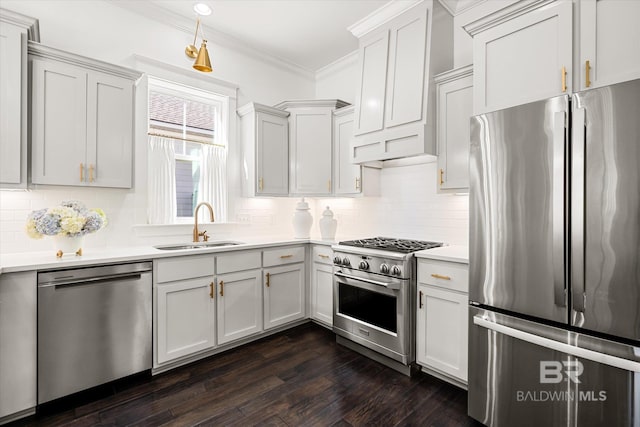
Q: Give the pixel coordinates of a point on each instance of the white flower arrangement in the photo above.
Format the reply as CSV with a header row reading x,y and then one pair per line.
x,y
70,219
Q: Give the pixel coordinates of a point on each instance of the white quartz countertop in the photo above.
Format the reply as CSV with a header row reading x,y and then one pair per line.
x,y
46,260
453,253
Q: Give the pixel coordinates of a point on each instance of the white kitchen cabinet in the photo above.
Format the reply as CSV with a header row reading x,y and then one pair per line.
x,y
82,120
18,342
265,150
184,306
284,287
609,34
15,29
239,305
454,99
322,285
397,59
347,177
521,54
310,145
442,319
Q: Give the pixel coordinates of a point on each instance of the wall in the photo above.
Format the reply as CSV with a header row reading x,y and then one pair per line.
x,y
337,80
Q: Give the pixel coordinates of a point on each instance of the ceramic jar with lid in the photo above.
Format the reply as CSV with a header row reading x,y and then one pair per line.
x,y
302,220
328,225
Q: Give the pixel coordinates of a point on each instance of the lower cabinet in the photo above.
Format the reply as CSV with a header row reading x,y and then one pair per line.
x,y
18,342
322,285
239,305
284,294
441,321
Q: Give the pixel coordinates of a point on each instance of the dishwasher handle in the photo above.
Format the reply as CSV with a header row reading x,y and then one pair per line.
x,y
92,280
93,274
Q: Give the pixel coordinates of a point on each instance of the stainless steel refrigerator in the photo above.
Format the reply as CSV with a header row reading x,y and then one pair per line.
x,y
554,325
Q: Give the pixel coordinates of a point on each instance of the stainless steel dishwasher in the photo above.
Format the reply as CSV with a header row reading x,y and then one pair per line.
x,y
94,326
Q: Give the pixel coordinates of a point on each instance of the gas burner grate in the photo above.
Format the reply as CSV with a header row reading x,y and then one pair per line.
x,y
394,245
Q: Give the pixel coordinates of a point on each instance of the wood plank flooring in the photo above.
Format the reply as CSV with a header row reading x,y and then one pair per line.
x,y
299,377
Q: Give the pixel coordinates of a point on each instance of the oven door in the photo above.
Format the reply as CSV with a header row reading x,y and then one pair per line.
x,y
374,313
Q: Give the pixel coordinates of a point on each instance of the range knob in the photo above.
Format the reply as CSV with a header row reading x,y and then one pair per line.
x,y
384,269
337,260
395,270
364,265
346,262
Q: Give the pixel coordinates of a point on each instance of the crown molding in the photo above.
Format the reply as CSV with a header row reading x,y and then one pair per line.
x,y
454,74
167,17
349,109
254,107
464,5
505,14
312,103
340,64
380,16
32,25
39,50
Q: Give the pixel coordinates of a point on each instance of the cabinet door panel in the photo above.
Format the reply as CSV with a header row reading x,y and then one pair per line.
x,y
406,69
373,53
239,305
442,331
284,295
346,176
322,293
13,151
272,155
186,316
59,123
310,148
109,130
521,60
609,34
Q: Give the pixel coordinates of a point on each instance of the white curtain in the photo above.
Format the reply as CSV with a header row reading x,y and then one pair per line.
x,y
161,181
213,181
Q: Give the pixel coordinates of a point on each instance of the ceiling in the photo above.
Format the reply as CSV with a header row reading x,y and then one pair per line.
x,y
307,33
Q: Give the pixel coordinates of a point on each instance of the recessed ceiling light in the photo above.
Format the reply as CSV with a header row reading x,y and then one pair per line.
x,y
202,9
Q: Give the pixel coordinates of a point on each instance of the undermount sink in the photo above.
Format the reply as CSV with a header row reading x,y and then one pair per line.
x,y
202,245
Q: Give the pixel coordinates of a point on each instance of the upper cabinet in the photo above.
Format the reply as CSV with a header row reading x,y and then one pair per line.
x,y
265,150
454,91
609,35
399,51
526,51
521,54
15,31
310,145
82,120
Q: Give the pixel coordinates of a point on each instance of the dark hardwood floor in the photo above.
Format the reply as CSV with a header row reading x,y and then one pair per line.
x,y
299,377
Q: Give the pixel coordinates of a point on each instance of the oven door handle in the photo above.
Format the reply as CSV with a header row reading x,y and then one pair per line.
x,y
393,286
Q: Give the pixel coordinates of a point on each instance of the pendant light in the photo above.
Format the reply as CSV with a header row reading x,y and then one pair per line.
x,y
202,61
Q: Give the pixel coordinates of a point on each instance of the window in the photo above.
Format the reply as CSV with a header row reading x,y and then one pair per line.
x,y
187,152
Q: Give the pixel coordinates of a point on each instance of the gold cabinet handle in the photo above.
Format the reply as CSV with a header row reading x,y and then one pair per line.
x,y
440,276
587,72
91,172
420,298
441,176
286,256
268,279
357,183
81,172
329,185
323,256
212,292
564,79
221,288
260,184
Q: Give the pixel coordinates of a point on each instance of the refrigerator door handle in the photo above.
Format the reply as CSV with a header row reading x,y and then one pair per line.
x,y
578,295
558,206
584,353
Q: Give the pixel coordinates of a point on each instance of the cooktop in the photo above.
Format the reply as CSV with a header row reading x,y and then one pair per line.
x,y
390,244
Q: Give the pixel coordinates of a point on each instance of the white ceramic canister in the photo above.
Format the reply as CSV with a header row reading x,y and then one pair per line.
x,y
328,225
302,220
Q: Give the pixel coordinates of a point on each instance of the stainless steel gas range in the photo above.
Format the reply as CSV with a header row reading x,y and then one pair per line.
x,y
374,287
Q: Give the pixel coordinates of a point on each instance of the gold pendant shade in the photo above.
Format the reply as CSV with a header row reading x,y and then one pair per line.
x,y
202,60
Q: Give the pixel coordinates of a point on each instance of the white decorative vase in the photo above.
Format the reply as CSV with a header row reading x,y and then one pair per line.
x,y
302,220
328,225
65,245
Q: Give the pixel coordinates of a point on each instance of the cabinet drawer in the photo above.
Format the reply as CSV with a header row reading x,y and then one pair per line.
x,y
447,275
323,254
185,267
240,261
283,256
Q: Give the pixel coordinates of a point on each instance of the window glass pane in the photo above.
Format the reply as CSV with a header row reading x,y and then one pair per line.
x,y
181,117
187,179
